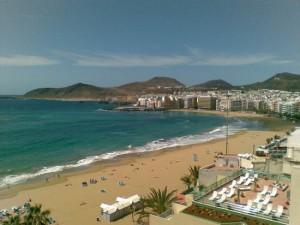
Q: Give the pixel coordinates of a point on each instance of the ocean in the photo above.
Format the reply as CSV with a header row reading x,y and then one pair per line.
x,y
39,137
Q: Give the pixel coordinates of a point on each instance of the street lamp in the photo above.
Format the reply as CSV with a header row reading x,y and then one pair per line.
x,y
227,122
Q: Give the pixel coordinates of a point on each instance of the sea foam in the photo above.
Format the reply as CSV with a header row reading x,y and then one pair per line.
x,y
219,132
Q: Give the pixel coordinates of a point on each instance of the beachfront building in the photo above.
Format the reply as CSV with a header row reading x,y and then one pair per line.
x,y
284,103
293,151
206,102
190,102
288,108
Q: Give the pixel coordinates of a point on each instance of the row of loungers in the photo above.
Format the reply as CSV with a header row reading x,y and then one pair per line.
x,y
221,196
258,207
120,208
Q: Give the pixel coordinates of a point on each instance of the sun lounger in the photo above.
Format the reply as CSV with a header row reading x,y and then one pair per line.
x,y
222,199
258,198
279,211
4,212
213,196
249,205
247,175
241,180
259,207
268,209
248,182
222,191
265,190
231,193
266,200
233,184
274,192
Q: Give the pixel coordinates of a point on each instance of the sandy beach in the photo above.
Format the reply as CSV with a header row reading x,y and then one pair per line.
x,y
239,114
72,204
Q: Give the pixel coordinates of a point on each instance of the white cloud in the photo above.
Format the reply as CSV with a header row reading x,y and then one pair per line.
x,y
234,60
126,60
26,60
278,61
194,57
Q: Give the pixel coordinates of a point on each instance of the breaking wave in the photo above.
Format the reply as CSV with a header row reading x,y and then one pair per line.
x,y
155,145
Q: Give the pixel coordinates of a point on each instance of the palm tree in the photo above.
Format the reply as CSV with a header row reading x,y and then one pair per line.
x,y
37,216
194,173
159,200
268,140
143,215
13,220
187,180
276,137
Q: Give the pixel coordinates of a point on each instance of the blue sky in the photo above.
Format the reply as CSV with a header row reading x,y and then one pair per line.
x,y
53,43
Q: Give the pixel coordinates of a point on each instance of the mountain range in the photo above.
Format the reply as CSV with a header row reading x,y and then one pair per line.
x,y
129,92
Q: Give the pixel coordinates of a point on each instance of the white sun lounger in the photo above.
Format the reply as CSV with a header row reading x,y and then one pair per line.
x,y
222,191
265,190
259,207
213,196
266,200
222,199
274,192
233,184
249,205
248,182
241,180
268,209
279,211
258,198
247,175
231,193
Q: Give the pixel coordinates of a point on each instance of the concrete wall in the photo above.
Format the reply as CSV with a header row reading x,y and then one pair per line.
x,y
180,219
295,196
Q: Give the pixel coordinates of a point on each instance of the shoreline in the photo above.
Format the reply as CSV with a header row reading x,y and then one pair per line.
x,y
223,113
124,155
61,176
139,172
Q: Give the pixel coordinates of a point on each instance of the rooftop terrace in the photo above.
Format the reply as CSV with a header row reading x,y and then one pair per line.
x,y
251,195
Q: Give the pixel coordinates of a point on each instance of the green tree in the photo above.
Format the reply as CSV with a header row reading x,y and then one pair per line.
x,y
194,173
187,180
159,200
37,216
143,215
269,140
13,220
276,137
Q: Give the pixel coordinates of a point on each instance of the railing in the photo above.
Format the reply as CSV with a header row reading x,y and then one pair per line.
x,y
216,185
233,223
240,210
275,177
201,199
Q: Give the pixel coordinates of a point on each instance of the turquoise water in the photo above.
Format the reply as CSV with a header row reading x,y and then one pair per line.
x,y
39,137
